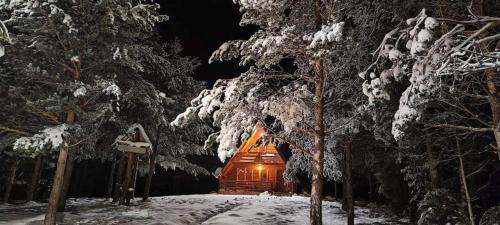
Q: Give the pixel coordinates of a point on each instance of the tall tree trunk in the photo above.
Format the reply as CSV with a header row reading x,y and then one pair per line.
x,y
335,190
57,184
319,146
111,175
344,191
35,177
348,182
371,188
152,164
476,6
50,216
432,164
67,180
463,178
10,179
315,213
119,178
494,99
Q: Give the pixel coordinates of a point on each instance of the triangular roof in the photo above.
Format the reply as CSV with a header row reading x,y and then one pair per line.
x,y
255,146
125,139
251,144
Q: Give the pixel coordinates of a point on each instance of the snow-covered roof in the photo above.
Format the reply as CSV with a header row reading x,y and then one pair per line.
x,y
125,138
135,126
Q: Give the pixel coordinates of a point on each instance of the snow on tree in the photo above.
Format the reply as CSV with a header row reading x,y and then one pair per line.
x,y
292,99
443,66
67,61
428,58
51,137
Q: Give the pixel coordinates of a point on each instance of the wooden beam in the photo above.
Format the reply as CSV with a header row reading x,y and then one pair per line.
x,y
128,148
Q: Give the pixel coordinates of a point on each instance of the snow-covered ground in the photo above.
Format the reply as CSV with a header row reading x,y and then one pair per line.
x,y
191,209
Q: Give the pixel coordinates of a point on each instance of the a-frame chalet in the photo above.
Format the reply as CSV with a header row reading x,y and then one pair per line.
x,y
255,167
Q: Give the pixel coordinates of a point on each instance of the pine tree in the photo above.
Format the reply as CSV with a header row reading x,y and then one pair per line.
x,y
61,46
109,71
294,98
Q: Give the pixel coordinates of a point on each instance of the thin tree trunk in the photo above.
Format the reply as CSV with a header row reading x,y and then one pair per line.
x,y
464,182
476,7
111,175
50,217
57,184
344,199
372,189
10,179
494,99
67,180
348,182
35,177
319,146
152,164
119,178
335,190
432,163
344,191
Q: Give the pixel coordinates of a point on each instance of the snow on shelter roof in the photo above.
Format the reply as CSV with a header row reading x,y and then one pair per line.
x,y
125,139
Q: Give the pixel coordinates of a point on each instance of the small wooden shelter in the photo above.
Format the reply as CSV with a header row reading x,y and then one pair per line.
x,y
133,144
257,166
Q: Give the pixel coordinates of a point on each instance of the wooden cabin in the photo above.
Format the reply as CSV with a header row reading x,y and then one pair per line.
x,y
257,166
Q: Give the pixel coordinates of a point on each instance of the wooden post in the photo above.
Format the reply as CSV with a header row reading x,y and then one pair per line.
x,y
128,176
119,178
109,190
152,164
134,175
10,180
35,177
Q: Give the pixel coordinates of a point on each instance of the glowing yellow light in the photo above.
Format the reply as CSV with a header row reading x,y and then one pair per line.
x,y
259,167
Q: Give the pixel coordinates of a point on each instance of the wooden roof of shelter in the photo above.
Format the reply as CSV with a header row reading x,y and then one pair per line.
x,y
135,138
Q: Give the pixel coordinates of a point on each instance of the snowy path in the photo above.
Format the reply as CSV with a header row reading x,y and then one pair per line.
x,y
192,209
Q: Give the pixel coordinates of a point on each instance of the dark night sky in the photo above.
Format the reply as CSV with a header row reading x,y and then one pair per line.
x,y
202,26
